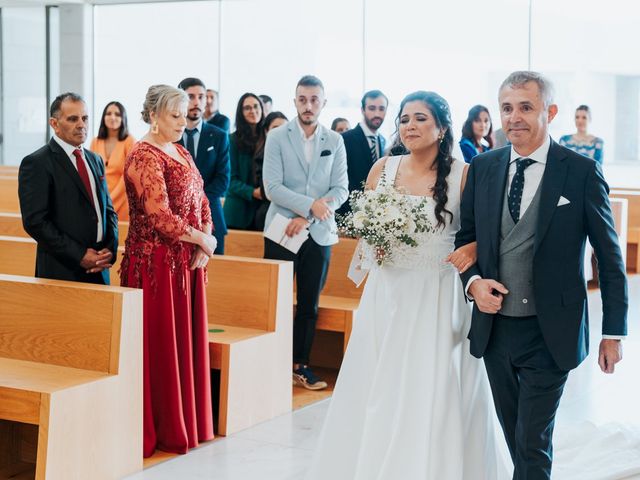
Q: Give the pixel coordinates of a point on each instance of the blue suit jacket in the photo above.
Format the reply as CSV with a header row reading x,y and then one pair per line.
x,y
559,246
212,159
358,159
293,185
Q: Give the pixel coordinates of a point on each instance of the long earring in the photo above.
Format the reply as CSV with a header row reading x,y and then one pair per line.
x,y
154,128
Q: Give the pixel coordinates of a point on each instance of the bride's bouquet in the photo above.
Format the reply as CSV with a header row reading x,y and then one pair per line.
x,y
385,219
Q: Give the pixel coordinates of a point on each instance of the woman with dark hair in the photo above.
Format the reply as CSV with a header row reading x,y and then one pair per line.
x,y
340,125
113,144
476,133
582,141
246,150
274,120
410,401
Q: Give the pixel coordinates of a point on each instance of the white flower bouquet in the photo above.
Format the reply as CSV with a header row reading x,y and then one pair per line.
x,y
385,219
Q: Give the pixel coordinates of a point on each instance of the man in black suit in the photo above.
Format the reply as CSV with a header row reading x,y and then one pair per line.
x,y
531,206
209,147
211,113
363,143
65,203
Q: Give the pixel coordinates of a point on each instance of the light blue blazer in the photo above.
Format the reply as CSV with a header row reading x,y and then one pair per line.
x,y
293,185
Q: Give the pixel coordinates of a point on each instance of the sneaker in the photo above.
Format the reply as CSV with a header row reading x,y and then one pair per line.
x,y
304,377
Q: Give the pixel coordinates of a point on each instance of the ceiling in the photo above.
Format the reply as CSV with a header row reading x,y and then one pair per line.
x,y
38,3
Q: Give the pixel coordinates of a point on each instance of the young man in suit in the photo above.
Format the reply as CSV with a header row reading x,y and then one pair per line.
x,y
211,113
364,145
531,206
305,177
209,147
65,203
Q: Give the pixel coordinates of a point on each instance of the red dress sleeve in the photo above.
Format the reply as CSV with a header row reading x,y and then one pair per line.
x,y
146,173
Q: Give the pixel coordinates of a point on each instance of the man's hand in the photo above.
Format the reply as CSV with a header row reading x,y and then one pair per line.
x,y
610,354
199,259
463,257
487,294
257,194
296,225
94,261
321,209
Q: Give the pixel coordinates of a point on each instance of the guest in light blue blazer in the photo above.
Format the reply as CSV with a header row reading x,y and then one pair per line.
x,y
305,177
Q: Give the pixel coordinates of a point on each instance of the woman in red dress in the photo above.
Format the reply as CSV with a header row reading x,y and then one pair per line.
x,y
168,247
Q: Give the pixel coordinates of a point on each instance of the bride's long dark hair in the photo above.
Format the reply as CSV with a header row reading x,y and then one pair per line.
x,y
439,108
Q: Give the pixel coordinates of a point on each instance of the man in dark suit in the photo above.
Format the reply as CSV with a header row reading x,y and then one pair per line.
x,y
64,201
531,206
363,143
211,113
209,147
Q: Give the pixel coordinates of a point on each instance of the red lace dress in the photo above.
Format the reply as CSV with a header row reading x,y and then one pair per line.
x,y
165,198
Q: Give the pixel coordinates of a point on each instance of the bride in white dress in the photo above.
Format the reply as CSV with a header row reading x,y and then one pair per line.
x,y
410,401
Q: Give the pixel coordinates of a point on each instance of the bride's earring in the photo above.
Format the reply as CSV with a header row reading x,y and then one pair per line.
x,y
154,128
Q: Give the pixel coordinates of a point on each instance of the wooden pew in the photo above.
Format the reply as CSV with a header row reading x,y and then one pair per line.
x,y
249,305
9,170
9,194
70,379
340,297
633,226
11,226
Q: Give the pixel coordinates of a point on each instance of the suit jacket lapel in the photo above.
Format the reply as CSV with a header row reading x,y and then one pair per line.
x,y
498,171
96,178
295,138
203,143
553,180
321,139
65,162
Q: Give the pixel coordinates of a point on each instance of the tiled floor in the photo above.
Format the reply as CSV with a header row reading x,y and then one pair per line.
x,y
282,448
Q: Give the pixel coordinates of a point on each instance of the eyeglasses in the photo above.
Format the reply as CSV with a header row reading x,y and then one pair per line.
x,y
248,108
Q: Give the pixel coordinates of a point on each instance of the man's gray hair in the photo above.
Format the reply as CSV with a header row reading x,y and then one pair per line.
x,y
518,79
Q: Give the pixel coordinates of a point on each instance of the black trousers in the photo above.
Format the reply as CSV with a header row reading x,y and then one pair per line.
x,y
527,385
310,266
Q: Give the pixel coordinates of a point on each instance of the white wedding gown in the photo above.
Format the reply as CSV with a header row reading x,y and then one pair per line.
x,y
411,403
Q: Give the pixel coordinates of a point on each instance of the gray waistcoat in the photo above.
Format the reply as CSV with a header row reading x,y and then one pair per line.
x,y
515,265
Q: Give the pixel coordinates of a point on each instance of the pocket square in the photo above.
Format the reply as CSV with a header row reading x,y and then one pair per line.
x,y
325,153
563,201
210,148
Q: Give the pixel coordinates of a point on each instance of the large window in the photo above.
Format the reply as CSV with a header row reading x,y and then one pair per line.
x,y
137,46
23,83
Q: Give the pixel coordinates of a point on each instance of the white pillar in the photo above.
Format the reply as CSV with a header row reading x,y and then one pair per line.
x,y
76,52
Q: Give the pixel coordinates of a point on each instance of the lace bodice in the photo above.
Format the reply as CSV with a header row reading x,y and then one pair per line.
x,y
433,246
165,198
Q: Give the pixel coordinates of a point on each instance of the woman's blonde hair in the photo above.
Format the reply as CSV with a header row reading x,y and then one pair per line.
x,y
161,98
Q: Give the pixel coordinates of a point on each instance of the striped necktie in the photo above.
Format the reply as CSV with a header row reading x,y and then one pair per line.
x,y
373,148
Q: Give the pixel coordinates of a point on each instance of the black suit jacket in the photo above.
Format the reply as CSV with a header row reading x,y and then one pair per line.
x,y
358,160
57,212
558,277
221,121
212,159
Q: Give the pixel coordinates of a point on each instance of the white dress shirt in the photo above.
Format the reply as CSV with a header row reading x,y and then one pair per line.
x,y
196,138
308,143
69,149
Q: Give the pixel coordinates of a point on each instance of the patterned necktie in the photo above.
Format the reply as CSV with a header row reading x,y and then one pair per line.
x,y
191,144
517,186
373,144
84,175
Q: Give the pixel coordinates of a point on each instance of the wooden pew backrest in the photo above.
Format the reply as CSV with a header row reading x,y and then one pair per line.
x,y
60,323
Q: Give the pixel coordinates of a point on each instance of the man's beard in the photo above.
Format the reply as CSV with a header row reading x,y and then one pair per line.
x,y
195,115
311,121
371,125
